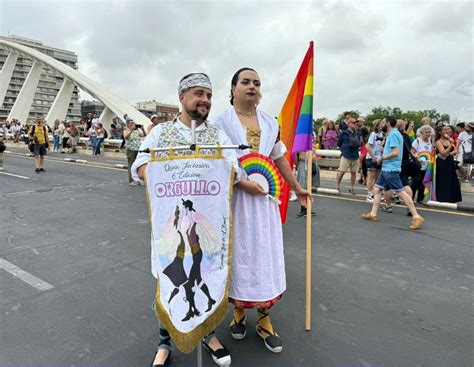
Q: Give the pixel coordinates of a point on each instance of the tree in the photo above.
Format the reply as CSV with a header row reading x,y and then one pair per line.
x,y
353,113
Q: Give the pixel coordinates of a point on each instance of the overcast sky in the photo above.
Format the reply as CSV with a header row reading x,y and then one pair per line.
x,y
411,54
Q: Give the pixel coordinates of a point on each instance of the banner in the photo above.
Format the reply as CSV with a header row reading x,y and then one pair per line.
x,y
189,200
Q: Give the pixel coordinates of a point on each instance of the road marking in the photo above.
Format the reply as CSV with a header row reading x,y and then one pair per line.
x,y
58,160
11,174
398,206
25,276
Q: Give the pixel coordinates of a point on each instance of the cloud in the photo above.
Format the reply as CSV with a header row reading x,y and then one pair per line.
x,y
410,54
446,18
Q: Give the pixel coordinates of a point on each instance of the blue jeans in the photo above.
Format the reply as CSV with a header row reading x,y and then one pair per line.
x,y
389,180
56,142
96,145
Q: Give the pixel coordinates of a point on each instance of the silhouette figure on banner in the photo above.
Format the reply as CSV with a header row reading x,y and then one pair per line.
x,y
175,270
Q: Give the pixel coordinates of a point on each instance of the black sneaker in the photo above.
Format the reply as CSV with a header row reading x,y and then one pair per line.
x,y
301,214
221,356
37,170
387,209
42,170
396,199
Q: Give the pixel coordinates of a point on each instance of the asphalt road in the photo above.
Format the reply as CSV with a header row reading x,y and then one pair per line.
x,y
76,288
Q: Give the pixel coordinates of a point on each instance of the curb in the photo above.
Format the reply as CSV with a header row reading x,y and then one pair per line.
x,y
322,190
75,160
452,206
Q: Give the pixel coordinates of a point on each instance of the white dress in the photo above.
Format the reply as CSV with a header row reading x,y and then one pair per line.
x,y
258,266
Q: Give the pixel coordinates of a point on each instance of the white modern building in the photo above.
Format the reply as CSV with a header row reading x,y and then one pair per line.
x,y
23,96
48,85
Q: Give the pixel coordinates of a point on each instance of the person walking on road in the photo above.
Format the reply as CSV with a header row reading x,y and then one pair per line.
x,y
389,178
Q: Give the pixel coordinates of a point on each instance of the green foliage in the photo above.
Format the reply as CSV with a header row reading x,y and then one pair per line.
x,y
354,114
381,112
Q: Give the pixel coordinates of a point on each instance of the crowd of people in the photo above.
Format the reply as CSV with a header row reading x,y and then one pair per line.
x,y
362,148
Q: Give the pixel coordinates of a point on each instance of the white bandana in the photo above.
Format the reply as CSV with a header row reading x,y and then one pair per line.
x,y
194,80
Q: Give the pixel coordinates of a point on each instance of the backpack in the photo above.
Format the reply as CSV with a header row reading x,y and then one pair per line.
x,y
46,138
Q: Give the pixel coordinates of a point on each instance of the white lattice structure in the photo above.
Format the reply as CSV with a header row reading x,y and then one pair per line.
x,y
114,106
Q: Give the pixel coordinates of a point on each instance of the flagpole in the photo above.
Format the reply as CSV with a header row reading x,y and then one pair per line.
x,y
309,161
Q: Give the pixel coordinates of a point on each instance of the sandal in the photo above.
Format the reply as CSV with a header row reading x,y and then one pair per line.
x,y
272,340
220,356
238,329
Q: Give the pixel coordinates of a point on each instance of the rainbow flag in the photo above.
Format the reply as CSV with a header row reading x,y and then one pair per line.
x,y
412,135
429,181
296,119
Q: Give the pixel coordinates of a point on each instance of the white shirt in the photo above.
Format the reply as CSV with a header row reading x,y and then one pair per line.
x,y
151,141
15,128
421,146
465,142
375,141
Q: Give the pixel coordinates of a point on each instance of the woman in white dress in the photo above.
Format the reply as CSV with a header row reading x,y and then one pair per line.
x,y
258,268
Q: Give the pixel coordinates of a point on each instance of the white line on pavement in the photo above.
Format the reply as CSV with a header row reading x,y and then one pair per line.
x,y
25,276
11,174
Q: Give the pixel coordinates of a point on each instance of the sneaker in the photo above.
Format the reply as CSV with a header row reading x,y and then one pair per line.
x,y
369,198
133,183
220,356
301,214
417,223
360,181
42,170
293,196
387,209
370,217
396,199
37,170
272,341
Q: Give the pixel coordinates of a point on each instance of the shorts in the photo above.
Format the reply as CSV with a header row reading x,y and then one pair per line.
x,y
372,166
389,180
345,164
39,149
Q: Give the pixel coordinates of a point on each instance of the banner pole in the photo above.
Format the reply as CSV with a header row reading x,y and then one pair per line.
x,y
309,161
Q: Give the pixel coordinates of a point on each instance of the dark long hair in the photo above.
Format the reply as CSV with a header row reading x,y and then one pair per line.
x,y
234,81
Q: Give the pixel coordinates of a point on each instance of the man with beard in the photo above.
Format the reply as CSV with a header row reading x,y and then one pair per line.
x,y
195,96
389,178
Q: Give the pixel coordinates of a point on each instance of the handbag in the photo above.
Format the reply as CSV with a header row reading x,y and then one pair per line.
x,y
414,165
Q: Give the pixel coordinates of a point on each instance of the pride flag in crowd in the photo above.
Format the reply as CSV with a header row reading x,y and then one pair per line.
x,y
412,135
429,181
296,119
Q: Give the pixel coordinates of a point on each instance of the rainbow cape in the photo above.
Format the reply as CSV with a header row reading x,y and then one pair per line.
x,y
429,181
296,119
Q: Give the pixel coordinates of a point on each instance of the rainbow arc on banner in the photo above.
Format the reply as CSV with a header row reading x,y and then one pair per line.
x,y
296,119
